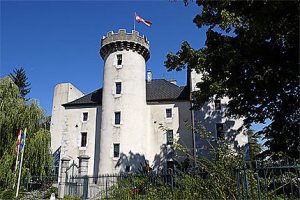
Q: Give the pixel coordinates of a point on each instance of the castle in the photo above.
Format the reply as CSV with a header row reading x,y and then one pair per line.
x,y
133,120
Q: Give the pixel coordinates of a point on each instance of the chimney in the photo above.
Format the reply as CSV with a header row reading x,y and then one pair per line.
x,y
149,76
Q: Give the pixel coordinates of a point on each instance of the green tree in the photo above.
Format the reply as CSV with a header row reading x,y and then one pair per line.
x,y
17,114
20,79
251,56
254,147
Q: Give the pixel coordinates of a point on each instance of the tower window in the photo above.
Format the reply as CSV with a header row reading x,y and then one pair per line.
x,y
117,117
119,59
83,139
220,130
116,150
85,116
169,112
217,104
118,87
170,137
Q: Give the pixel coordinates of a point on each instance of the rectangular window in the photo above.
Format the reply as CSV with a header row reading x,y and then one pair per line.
x,y
116,150
170,137
170,165
83,139
127,169
117,117
220,130
119,59
169,112
118,87
217,104
85,116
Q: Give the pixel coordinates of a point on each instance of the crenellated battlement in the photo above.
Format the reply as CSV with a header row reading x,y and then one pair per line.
x,y
124,41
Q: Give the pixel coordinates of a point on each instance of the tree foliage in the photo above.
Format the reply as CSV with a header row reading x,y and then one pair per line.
x,y
20,79
251,56
17,114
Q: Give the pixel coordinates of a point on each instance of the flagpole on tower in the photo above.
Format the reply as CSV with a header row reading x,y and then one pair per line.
x,y
134,21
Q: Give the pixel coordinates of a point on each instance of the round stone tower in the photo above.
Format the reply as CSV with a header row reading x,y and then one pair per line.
x,y
124,108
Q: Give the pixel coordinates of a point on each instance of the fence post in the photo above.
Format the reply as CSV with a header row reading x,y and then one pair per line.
x,y
63,176
83,173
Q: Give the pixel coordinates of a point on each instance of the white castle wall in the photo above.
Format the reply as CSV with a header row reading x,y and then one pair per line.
x,y
208,117
63,93
180,123
71,138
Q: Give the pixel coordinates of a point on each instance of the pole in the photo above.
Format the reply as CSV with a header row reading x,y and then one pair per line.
x,y
20,170
134,21
17,160
16,167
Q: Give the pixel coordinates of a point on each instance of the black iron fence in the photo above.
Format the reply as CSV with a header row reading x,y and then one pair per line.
x,y
119,186
258,180
269,180
253,180
39,182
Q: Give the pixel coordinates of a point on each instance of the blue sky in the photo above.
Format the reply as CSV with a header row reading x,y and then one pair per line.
x,y
58,41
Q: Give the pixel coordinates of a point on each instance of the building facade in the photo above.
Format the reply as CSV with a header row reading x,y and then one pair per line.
x,y
133,121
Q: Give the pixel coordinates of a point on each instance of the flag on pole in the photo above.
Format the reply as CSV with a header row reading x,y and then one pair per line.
x,y
140,19
18,141
22,143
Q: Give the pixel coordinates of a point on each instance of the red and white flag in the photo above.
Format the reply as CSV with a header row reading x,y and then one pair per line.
x,y
139,19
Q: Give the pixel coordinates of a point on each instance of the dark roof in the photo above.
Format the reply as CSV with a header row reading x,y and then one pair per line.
x,y
156,90
93,98
163,90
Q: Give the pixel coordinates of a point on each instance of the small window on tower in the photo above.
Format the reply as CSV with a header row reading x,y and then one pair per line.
x,y
116,150
169,112
220,130
119,59
170,137
83,139
85,116
217,104
118,87
117,117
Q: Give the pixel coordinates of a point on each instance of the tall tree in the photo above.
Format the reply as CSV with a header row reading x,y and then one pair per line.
x,y
251,56
21,80
17,114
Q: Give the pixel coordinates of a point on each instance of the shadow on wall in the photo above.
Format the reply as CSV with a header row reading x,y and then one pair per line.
x,y
130,163
136,163
208,117
97,142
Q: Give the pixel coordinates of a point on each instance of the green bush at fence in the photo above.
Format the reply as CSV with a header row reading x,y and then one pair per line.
x,y
226,176
51,190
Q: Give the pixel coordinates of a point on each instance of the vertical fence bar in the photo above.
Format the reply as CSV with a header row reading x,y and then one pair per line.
x,y
290,179
274,185
266,182
258,180
282,179
246,182
296,167
242,184
106,194
238,183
